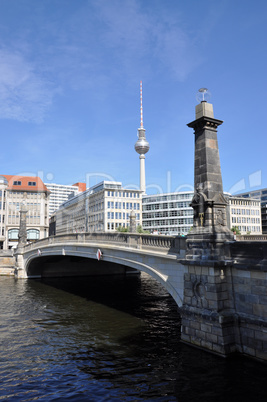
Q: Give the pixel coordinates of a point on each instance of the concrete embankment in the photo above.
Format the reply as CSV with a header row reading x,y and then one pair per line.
x,y
7,263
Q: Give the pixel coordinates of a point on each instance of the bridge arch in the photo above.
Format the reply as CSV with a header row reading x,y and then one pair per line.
x,y
56,261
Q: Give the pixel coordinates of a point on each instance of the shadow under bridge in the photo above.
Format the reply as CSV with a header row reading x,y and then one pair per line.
x,y
77,255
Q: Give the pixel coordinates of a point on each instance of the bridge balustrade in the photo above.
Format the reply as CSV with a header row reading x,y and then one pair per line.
x,y
166,244
251,237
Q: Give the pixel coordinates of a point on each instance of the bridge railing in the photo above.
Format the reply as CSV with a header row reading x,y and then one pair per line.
x,y
166,244
251,237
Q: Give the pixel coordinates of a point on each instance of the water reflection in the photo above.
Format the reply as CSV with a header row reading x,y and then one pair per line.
x,y
105,339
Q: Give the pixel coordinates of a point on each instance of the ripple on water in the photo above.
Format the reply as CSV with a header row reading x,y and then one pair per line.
x,y
108,340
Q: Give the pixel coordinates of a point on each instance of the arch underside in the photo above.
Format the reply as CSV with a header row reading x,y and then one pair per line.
x,y
55,263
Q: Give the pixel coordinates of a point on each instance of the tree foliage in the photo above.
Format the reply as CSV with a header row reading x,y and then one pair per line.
x,y
139,229
122,229
236,230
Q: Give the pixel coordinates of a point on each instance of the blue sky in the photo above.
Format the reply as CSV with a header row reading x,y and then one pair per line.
x,y
69,88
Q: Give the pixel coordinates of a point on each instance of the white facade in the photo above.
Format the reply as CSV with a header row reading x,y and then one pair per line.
x,y
59,193
31,192
3,216
262,196
103,207
168,213
245,214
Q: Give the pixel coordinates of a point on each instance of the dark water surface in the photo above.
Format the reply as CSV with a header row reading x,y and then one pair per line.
x,y
109,339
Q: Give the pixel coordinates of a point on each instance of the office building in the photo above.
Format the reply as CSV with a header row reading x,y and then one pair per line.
x,y
245,214
59,193
168,213
103,207
262,196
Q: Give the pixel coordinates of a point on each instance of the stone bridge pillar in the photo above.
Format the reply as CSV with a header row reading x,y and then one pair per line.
x,y
208,319
19,265
208,316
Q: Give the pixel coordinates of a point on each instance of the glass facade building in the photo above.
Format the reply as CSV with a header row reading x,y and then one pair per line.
x,y
168,213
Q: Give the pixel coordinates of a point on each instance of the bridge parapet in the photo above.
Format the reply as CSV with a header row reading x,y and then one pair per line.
x,y
165,244
251,237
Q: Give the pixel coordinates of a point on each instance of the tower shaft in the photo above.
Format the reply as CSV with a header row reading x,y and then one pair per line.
x,y
142,173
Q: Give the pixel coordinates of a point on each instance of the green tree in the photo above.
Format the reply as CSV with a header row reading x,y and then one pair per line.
x,y
139,229
236,230
122,229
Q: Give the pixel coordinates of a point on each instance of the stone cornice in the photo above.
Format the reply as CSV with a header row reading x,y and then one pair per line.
x,y
205,123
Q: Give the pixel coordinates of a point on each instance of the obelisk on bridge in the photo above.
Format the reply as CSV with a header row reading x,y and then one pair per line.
x,y
19,264
22,225
210,229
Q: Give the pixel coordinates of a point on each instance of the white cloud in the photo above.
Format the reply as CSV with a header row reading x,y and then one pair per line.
x,y
24,94
101,42
143,39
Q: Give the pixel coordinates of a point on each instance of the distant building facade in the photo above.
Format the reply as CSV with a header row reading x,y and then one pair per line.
x,y
103,207
168,213
15,190
262,196
59,193
245,214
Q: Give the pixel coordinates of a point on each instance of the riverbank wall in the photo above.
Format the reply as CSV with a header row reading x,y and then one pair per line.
x,y
7,262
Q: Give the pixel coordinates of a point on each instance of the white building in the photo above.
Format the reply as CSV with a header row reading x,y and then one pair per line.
x,y
103,207
262,196
245,214
15,190
59,193
168,213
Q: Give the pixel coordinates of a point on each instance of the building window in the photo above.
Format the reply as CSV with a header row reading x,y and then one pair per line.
x,y
13,234
33,234
31,183
17,183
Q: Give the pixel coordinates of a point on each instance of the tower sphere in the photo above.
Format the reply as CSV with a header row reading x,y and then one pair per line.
x,y
142,145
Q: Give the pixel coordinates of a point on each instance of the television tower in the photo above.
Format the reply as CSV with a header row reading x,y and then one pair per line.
x,y
142,146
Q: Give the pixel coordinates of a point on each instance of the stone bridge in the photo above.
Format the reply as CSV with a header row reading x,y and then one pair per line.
x,y
223,303
76,255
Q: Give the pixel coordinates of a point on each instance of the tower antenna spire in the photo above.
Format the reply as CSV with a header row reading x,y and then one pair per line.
x,y
141,104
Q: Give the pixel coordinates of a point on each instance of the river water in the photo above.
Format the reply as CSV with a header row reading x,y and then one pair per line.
x,y
109,339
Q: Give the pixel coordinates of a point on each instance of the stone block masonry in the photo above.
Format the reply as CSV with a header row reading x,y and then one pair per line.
x,y
250,299
207,315
225,309
7,264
